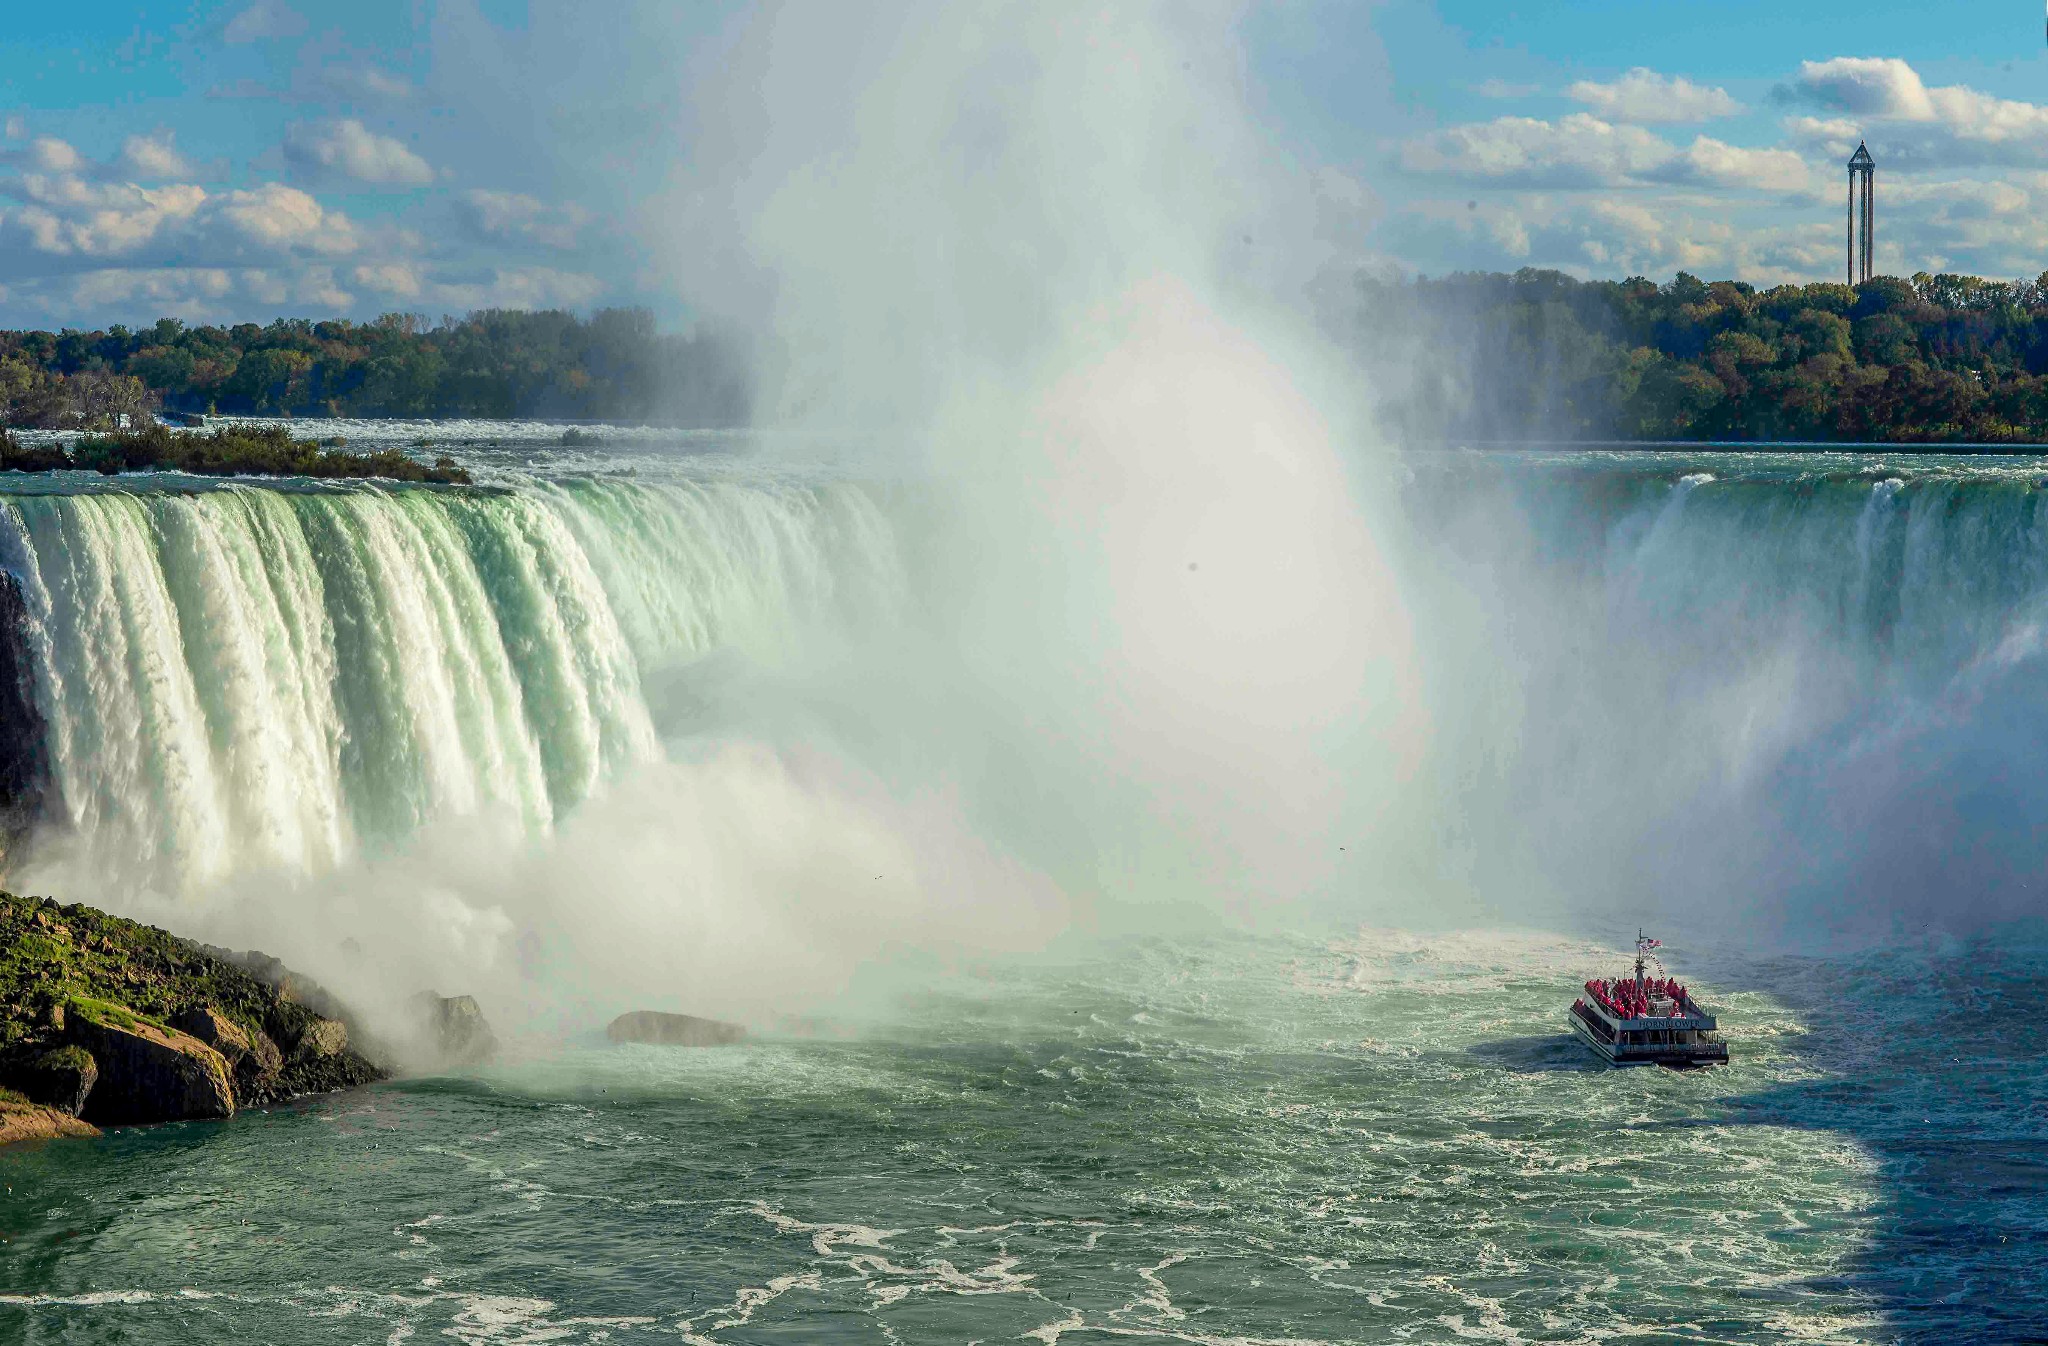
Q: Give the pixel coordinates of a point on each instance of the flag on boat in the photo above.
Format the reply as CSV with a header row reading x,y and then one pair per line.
x,y
1646,943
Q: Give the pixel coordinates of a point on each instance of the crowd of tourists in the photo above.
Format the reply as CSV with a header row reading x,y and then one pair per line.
x,y
1630,999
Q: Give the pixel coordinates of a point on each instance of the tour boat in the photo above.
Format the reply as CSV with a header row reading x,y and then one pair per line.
x,y
1646,1021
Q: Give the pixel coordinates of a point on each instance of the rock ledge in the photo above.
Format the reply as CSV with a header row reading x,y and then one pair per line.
x,y
673,1030
118,1022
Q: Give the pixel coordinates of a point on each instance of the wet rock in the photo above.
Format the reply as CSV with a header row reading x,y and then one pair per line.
x,y
673,1030
216,1030
295,987
320,1040
256,1074
148,1072
24,757
60,1078
453,1030
63,960
21,1120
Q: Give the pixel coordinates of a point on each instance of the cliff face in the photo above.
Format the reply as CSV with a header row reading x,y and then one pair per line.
x,y
116,1022
24,758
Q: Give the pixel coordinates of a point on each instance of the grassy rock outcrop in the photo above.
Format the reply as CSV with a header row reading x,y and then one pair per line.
x,y
673,1030
21,1119
122,1022
61,1078
231,450
147,1071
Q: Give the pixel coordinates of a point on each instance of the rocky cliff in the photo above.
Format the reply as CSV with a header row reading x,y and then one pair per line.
x,y
104,1020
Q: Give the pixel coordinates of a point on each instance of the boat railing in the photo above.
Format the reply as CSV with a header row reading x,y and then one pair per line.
x,y
1668,1048
1697,1023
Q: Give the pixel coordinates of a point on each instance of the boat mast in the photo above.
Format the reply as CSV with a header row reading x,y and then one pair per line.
x,y
1639,960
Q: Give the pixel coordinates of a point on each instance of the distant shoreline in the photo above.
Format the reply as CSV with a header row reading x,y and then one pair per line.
x,y
1917,448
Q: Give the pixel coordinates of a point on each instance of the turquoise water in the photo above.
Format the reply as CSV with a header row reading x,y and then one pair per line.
x,y
1363,1137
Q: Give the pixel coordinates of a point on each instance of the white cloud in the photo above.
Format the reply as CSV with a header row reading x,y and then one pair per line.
x,y
53,155
153,158
1646,97
511,287
264,19
360,84
167,290
1649,236
278,217
1509,232
1988,226
128,291
1912,126
1579,150
311,287
1828,130
1867,86
394,280
1582,151
347,149
72,217
514,217
521,287
1709,162
68,216
194,293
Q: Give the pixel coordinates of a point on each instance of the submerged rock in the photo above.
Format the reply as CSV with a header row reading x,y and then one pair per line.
x,y
149,1072
673,1030
453,1030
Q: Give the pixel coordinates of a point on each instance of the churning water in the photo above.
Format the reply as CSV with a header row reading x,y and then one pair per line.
x,y
1771,700
1376,1137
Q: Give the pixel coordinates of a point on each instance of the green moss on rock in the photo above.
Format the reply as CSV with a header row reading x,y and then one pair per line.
x,y
70,972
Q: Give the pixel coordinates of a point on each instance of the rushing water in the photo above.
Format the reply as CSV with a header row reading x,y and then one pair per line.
x,y
1367,1138
247,676
1767,698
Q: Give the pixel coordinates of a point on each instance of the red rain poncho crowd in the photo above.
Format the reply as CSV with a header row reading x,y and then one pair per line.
x,y
1625,1000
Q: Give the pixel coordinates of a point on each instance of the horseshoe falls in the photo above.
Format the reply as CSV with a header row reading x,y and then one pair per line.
x,y
1785,709
285,679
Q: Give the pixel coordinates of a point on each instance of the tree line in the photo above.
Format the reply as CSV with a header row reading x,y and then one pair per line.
x,y
1540,355
496,363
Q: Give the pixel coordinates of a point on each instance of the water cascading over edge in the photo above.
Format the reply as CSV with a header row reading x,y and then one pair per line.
x,y
260,677
1802,690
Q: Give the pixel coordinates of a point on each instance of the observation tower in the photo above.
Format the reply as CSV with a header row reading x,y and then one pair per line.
x,y
1859,260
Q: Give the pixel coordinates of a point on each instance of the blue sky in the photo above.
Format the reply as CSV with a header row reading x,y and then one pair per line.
x,y
246,159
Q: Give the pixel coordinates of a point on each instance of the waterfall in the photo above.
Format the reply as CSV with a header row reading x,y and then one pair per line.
x,y
256,676
1812,689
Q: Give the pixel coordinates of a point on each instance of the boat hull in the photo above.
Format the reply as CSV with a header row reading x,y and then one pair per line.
x,y
1678,1055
